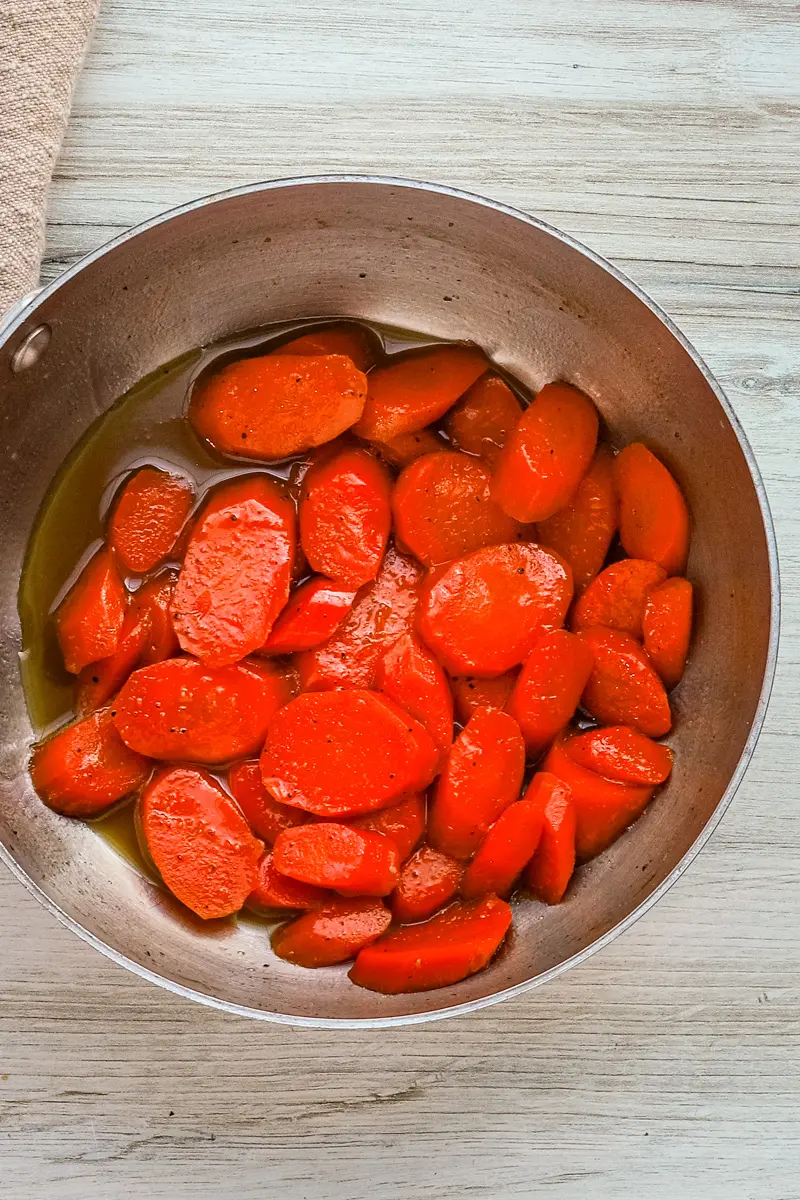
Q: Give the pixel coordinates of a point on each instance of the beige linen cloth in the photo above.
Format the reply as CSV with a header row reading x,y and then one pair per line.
x,y
42,44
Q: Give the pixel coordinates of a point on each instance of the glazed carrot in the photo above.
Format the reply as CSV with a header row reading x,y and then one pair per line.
x,y
89,621
427,882
414,389
333,933
181,709
484,613
99,681
382,613
482,420
265,816
148,517
236,574
85,767
277,405
623,688
353,341
443,509
153,600
407,447
616,597
471,693
653,518
403,822
507,848
273,891
410,675
199,841
482,776
621,753
451,946
313,614
603,808
548,453
345,516
345,752
354,862
549,687
582,530
551,867
667,628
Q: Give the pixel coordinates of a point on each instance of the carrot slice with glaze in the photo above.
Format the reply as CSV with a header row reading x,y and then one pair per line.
x,y
410,675
273,891
549,687
414,389
653,518
407,447
99,681
551,867
623,688
346,516
617,596
313,614
427,881
353,341
334,933
153,600
89,621
403,822
148,517
621,753
354,862
582,530
482,420
266,816
667,628
507,848
471,693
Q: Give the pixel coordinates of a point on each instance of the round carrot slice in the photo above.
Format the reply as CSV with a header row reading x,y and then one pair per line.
x,y
407,447
148,517
549,687
355,342
667,628
345,752
551,867
89,621
508,846
653,518
410,675
277,405
346,516
354,862
623,688
482,420
313,614
484,613
101,680
199,841
153,600
621,753
236,575
273,891
333,933
582,530
427,882
443,509
403,822
616,597
547,454
414,389
265,816
471,693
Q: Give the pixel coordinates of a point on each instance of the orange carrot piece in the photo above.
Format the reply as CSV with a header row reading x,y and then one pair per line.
x,y
623,688
552,866
273,891
653,517
89,621
549,687
333,933
427,881
403,822
265,816
507,848
410,675
667,628
353,862
148,517
414,389
346,516
99,681
621,753
355,342
582,530
617,596
471,693
482,420
313,614
153,600
407,447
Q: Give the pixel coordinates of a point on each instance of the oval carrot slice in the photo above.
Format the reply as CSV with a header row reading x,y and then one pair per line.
x,y
98,682
551,867
355,342
236,575
199,841
582,530
621,753
427,882
273,891
548,453
667,628
653,518
354,862
407,447
345,752
616,597
482,420
623,688
403,822
484,613
471,693
181,709
85,767
507,848
153,600
443,509
89,621
333,933
549,687
265,815
414,389
277,405
410,675
451,946
482,776
313,614
346,516
148,517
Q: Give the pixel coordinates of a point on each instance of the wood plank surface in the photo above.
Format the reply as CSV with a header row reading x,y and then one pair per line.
x,y
665,133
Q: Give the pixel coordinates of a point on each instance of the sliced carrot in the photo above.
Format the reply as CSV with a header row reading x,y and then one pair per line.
x,y
236,575
181,709
427,882
482,776
667,628
407,447
273,891
410,675
616,597
153,600
484,613
313,614
451,946
277,405
653,518
443,509
507,848
414,389
551,867
355,342
549,687
89,621
199,841
547,455
482,420
403,822
471,693
266,816
623,688
345,752
621,753
346,516
148,517
382,613
582,530
85,767
354,862
98,682
333,933
603,808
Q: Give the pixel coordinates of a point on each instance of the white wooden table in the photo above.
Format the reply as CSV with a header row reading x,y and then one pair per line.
x,y
665,134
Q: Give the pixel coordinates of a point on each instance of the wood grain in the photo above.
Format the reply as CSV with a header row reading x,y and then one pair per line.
x,y
665,134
